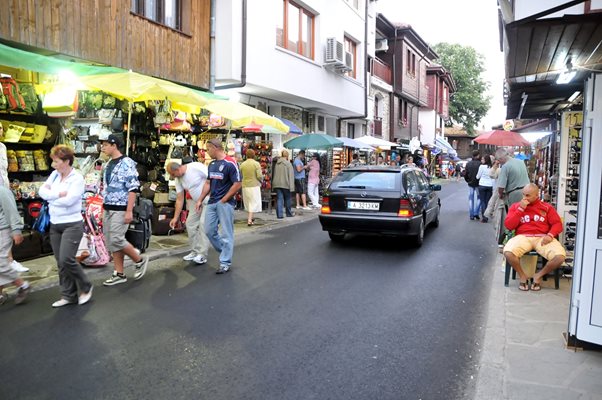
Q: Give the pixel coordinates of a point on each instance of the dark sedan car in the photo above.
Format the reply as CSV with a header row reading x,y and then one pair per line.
x,y
395,201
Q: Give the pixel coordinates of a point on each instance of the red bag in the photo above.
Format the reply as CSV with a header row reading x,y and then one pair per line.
x,y
10,88
94,208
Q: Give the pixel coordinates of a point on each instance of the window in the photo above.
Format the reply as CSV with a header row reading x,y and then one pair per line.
x,y
423,183
376,107
295,31
320,123
411,63
351,131
351,47
411,182
354,3
380,180
164,12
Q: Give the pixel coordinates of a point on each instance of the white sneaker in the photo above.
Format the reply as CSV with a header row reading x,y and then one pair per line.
x,y
61,303
141,268
307,208
298,207
85,297
190,256
199,259
17,266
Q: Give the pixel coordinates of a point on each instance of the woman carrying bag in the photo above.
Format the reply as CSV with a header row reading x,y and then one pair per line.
x,y
63,191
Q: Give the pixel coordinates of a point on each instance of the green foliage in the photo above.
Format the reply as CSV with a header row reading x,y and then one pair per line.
x,y
469,104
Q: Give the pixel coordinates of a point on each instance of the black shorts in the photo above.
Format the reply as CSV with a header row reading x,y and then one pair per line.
x,y
300,186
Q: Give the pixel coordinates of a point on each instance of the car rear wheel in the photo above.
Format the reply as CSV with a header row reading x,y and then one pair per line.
x,y
419,238
336,237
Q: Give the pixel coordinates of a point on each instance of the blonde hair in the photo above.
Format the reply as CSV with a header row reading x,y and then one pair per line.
x,y
284,153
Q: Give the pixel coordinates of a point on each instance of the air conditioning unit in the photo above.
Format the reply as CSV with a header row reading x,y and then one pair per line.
x,y
382,45
349,61
335,52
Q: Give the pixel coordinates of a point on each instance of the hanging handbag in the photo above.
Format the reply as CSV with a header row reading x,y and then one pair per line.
x,y
117,122
105,116
42,222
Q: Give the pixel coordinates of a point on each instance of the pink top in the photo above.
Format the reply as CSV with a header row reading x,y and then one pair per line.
x,y
314,172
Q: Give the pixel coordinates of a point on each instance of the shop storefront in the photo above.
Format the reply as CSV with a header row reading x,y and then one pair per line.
x,y
159,121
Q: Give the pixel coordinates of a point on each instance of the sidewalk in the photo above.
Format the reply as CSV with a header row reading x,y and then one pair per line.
x,y
524,354
43,272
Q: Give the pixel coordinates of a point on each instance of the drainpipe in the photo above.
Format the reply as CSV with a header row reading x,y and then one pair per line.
x,y
393,97
365,71
243,55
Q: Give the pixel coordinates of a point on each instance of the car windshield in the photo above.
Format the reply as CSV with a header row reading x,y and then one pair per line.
x,y
376,180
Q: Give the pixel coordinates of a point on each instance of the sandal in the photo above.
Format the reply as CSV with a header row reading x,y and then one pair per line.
x,y
523,286
536,287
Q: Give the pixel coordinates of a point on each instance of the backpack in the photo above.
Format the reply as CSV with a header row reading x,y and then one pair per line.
x,y
10,89
30,98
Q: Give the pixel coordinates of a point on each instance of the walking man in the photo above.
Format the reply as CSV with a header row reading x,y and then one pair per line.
x,y
472,169
512,178
223,183
120,187
300,167
191,177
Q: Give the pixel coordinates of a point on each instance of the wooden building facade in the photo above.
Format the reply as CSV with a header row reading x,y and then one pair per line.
x,y
170,41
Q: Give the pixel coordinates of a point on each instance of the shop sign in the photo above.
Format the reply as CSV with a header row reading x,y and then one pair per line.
x,y
508,125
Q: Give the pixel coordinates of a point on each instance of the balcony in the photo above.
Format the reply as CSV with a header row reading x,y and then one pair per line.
x,y
382,71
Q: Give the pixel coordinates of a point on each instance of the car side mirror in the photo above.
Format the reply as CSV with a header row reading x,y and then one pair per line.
x,y
436,187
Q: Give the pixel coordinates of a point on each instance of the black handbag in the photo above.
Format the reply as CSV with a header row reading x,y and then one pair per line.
x,y
117,122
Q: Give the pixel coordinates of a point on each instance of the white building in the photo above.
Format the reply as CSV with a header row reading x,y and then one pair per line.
x,y
278,61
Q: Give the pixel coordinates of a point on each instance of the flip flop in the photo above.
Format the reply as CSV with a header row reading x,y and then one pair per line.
x,y
523,286
536,287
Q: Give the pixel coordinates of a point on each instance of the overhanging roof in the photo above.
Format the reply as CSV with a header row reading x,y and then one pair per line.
x,y
538,50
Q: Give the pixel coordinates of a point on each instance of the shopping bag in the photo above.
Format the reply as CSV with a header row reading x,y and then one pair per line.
x,y
98,256
42,222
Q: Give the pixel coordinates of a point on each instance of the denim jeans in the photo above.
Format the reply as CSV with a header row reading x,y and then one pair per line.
x,y
485,193
221,215
474,203
283,199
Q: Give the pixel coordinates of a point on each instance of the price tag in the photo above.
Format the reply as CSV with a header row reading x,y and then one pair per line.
x,y
153,187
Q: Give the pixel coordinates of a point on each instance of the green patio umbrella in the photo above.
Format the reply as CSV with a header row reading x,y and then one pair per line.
x,y
313,141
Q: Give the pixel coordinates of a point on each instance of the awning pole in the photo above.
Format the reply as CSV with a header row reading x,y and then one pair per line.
x,y
127,142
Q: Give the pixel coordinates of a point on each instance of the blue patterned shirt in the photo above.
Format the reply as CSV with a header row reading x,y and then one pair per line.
x,y
120,177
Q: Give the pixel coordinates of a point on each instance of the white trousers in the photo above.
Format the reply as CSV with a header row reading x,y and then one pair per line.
x,y
313,193
195,226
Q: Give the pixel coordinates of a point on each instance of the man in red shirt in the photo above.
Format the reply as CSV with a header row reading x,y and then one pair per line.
x,y
536,224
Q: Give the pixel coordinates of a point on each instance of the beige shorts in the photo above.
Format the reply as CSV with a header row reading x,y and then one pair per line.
x,y
521,244
114,229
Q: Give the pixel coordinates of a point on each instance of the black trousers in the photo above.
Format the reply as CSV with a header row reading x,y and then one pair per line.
x,y
65,239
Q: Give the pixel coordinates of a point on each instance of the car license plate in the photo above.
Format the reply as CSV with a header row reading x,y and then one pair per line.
x,y
362,205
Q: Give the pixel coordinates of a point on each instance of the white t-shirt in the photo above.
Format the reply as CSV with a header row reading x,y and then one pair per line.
x,y
193,180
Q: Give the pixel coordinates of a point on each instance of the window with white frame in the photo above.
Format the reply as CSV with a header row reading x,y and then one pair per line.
x,y
295,28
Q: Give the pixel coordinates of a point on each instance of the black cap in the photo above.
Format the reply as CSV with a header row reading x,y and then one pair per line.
x,y
113,139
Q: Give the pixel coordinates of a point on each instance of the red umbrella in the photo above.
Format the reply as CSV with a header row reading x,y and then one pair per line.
x,y
502,138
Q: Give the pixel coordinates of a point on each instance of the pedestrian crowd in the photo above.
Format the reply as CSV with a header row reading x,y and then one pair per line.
x,y
211,191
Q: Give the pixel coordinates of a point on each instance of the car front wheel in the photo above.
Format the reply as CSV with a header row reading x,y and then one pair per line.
x,y
336,237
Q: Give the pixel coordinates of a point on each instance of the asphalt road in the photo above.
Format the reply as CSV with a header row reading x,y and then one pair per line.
x,y
298,317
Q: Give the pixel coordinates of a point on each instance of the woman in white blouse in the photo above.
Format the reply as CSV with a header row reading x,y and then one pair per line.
x,y
63,190
486,183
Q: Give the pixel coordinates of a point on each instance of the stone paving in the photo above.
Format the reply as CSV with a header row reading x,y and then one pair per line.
x,y
524,355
